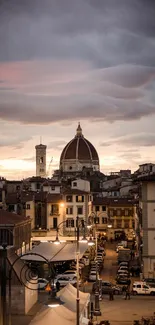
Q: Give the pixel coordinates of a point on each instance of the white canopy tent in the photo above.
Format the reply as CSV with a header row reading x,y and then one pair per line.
x,y
68,295
55,253
57,316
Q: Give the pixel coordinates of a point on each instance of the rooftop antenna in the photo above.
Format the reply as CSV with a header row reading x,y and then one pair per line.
x,y
40,139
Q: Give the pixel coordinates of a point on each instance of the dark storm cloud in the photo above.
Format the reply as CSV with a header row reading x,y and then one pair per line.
x,y
104,32
113,39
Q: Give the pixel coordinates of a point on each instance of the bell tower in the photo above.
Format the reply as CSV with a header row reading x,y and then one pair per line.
x,y
41,160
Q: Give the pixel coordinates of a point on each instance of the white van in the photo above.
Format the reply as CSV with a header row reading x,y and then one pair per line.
x,y
141,288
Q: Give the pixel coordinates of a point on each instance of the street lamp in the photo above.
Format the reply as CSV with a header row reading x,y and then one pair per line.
x,y
83,240
93,219
52,302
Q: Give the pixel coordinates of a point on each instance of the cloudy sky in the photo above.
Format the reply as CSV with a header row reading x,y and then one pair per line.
x,y
66,61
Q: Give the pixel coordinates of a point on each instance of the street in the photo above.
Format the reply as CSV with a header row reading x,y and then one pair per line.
x,y
118,311
121,311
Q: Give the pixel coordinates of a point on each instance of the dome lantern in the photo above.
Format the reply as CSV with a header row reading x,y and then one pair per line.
x,y
79,131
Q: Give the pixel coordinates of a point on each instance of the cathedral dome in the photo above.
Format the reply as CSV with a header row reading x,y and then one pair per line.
x,y
79,153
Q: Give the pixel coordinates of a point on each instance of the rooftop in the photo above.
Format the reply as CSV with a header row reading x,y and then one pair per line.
x,y
11,219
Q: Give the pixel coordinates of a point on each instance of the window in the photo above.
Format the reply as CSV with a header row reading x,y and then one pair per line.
x,y
103,208
111,213
139,286
126,224
79,198
118,212
70,167
54,209
104,220
28,206
79,210
38,186
74,184
52,188
97,208
69,210
69,198
41,170
70,223
126,212
96,220
119,223
55,223
41,160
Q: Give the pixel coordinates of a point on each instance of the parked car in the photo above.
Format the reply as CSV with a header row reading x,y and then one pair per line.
x,y
42,283
92,276
141,288
64,280
124,264
123,268
122,279
69,273
125,272
106,287
149,280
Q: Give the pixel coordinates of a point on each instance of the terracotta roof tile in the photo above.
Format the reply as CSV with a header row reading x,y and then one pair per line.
x,y
9,218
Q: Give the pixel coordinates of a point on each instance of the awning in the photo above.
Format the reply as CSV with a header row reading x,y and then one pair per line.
x,y
58,316
68,296
55,253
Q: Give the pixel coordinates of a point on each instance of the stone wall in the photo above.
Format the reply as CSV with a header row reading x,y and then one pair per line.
x,y
22,299
17,300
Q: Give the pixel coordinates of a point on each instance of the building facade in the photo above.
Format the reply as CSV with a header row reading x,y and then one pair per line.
x,y
115,216
148,222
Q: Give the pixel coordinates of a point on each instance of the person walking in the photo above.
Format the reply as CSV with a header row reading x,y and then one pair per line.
x,y
111,294
127,295
58,285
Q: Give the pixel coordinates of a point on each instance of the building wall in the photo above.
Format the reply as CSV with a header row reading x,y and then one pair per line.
x,y
59,215
119,221
111,183
30,212
75,205
23,298
148,220
81,185
31,295
51,189
17,300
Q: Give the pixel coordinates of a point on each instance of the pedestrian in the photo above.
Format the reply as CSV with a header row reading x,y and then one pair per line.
x,y
111,294
127,296
58,285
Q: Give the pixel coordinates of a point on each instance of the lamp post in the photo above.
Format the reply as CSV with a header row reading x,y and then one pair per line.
x,y
90,242
4,278
93,218
77,266
3,285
